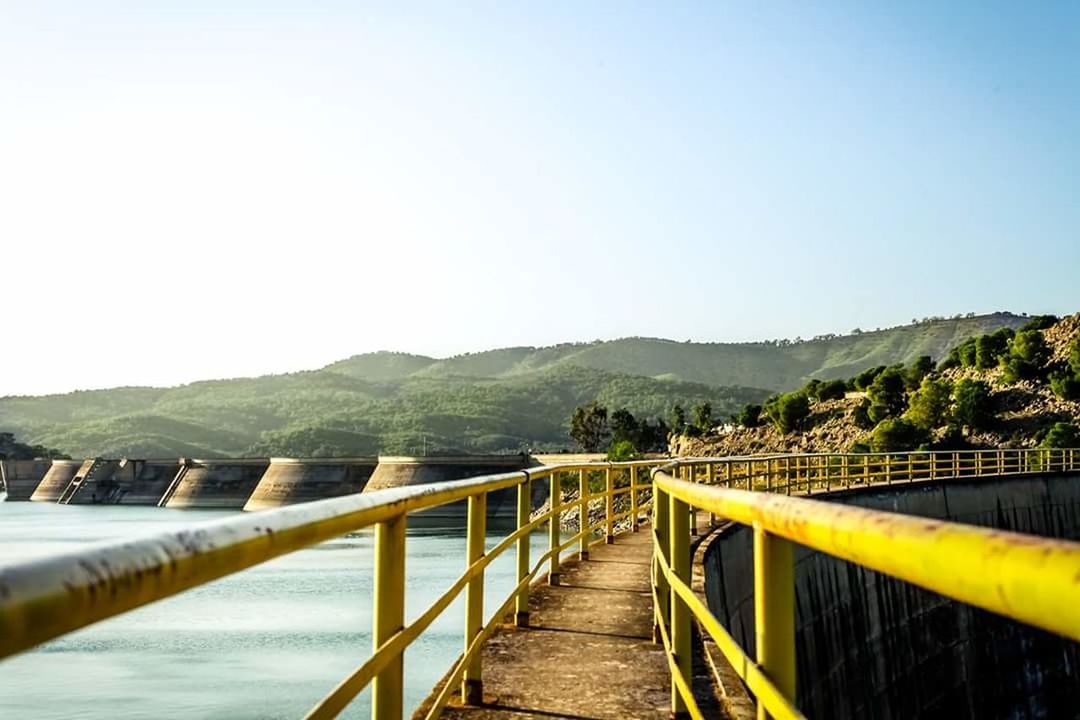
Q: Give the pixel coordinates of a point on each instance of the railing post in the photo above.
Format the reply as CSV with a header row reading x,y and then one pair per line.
x,y
845,471
661,522
692,520
524,509
472,685
609,506
633,499
583,514
554,536
679,557
774,612
388,615
710,478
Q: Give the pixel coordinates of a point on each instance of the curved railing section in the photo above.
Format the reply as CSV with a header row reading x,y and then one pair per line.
x,y
1031,579
44,599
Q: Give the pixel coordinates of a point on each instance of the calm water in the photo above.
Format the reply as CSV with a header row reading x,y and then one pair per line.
x,y
266,643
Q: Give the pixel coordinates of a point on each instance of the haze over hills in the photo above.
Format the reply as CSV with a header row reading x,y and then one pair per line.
x,y
504,400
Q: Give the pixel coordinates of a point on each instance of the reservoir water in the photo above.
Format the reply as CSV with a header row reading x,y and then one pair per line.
x,y
266,643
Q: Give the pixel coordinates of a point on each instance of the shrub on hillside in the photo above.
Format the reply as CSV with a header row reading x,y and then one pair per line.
x,y
1027,353
1061,435
917,370
831,390
973,406
863,379
930,404
861,416
750,416
1065,385
989,349
896,435
887,395
788,411
1074,355
621,451
1039,322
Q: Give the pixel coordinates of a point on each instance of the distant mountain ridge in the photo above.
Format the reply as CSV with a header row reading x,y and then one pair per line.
x,y
779,365
503,400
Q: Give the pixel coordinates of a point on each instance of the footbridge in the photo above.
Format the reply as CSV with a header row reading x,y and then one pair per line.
x,y
683,593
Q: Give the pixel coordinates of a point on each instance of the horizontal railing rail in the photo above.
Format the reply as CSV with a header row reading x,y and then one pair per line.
x,y
1027,578
44,599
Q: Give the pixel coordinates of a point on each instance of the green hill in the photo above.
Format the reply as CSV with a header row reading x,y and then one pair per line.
x,y
496,401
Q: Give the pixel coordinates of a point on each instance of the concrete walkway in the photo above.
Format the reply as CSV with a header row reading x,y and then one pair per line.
x,y
588,652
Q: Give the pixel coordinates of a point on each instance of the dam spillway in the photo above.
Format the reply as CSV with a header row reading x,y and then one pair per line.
x,y
221,484
124,482
56,480
401,471
21,477
295,480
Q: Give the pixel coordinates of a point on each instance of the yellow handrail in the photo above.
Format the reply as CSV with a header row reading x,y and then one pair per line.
x,y
1030,579
43,599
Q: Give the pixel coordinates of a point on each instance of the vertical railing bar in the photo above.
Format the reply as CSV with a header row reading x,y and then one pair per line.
x,y
388,616
583,514
679,559
472,685
524,510
555,527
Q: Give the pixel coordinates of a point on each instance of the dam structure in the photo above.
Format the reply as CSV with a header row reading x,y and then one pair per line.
x,y
57,480
405,471
20,478
295,480
903,585
220,484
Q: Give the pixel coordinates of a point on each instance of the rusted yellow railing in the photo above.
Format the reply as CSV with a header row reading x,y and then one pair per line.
x,y
1030,579
44,599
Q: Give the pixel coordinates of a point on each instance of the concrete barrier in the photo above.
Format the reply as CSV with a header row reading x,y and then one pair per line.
x,y
219,484
294,480
401,471
21,477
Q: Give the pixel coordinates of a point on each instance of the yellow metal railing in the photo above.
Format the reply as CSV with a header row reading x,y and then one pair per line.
x,y
1030,579
1026,578
44,599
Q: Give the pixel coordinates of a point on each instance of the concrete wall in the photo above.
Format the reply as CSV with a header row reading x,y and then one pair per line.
x,y
396,471
292,480
21,477
126,482
56,480
872,647
221,484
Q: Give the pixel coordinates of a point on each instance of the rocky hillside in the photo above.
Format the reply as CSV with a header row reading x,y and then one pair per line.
x,y
1030,386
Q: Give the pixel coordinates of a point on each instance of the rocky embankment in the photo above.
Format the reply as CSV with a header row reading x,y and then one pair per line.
x,y
1023,410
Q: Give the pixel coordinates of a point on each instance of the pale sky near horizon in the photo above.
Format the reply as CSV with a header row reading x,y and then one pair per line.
x,y
212,189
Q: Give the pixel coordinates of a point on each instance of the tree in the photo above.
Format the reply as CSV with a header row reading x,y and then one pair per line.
x,y
624,426
1065,385
1039,322
1074,355
929,405
703,419
917,370
788,411
973,406
678,419
863,379
1027,353
831,390
988,348
750,416
896,435
1062,435
886,393
589,427
621,451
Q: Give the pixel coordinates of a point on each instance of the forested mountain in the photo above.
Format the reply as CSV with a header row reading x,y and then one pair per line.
x,y
502,400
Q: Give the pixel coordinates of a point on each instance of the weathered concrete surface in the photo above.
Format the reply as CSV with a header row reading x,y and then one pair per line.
x,y
56,480
395,471
869,646
294,480
220,484
125,482
21,477
588,650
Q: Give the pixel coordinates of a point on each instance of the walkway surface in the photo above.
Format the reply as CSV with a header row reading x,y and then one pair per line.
x,y
588,651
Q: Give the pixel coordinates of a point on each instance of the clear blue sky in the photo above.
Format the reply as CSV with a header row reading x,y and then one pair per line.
x,y
206,189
